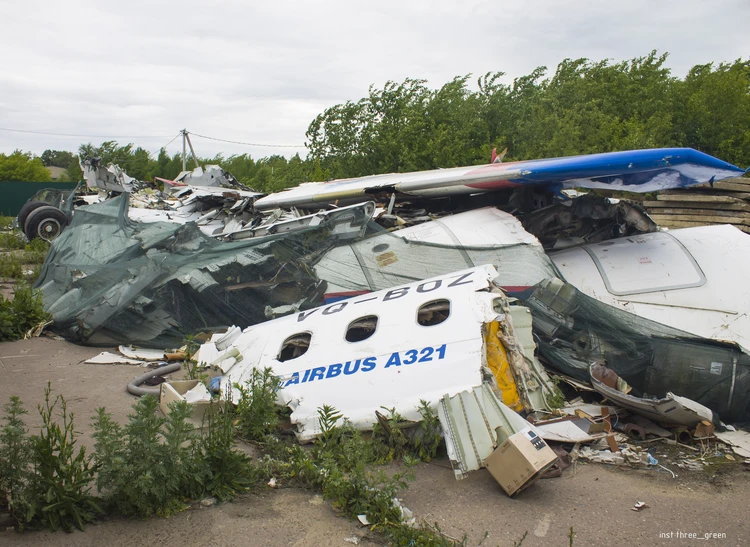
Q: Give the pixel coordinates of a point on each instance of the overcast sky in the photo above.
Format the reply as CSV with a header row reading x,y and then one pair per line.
x,y
259,72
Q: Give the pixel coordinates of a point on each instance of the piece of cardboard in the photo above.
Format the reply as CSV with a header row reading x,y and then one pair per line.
x,y
520,461
170,392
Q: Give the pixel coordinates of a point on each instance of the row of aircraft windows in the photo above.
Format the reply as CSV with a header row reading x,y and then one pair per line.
x,y
429,314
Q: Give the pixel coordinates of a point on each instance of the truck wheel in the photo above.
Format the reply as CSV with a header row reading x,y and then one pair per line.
x,y
25,211
45,223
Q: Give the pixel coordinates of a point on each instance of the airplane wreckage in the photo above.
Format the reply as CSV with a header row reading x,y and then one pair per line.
x,y
468,288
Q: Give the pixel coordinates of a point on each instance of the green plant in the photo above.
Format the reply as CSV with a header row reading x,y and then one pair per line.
x,y
390,441
145,467
15,464
257,412
339,464
10,266
23,312
557,399
12,240
5,222
38,246
422,535
426,438
33,256
219,469
191,365
62,474
340,444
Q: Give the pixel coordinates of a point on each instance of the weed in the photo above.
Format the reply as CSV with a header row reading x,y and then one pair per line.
x,y
423,535
427,435
62,474
257,413
340,446
30,276
289,462
388,433
192,367
32,257
38,246
10,266
557,399
6,222
220,470
15,463
145,467
13,240
395,438
23,312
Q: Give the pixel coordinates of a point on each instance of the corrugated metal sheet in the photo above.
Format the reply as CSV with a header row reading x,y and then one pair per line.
x,y
474,423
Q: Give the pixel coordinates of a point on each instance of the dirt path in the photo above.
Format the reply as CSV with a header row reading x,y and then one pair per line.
x,y
595,500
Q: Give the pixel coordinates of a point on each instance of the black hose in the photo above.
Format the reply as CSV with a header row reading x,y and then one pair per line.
x,y
135,388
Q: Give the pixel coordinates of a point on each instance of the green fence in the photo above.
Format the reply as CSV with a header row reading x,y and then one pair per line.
x,y
14,194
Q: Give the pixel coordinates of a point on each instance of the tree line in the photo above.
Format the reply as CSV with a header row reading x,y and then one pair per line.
x,y
584,107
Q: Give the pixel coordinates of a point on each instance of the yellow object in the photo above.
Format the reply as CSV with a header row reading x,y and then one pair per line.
x,y
497,361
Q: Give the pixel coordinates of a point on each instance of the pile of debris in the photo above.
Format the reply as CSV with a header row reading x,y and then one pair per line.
x,y
723,202
392,290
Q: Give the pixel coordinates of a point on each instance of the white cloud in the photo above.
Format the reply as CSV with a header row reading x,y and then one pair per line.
x,y
260,73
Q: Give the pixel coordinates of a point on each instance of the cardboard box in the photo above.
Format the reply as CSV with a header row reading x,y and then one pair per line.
x,y
520,461
175,391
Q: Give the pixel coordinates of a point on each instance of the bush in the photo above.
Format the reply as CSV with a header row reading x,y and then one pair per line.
x,y
62,474
16,455
12,241
10,266
6,222
257,412
24,312
220,470
145,467
399,439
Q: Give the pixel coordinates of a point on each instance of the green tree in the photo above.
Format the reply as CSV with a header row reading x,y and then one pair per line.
x,y
714,110
57,158
584,107
23,166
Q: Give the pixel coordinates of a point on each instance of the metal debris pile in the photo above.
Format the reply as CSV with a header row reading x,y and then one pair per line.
x,y
544,328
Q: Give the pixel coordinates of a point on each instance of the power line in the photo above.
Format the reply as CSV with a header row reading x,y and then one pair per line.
x,y
170,142
86,136
248,143
149,137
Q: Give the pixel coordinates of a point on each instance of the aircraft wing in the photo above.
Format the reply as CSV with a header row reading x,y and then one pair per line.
x,y
632,171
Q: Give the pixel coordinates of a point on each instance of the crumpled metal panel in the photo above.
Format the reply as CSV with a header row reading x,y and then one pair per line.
x,y
474,423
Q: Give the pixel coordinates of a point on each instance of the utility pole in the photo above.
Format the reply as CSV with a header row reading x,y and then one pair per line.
x,y
186,138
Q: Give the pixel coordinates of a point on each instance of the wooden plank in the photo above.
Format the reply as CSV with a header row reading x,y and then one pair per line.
x,y
738,180
705,219
697,197
738,205
705,193
697,212
726,186
732,186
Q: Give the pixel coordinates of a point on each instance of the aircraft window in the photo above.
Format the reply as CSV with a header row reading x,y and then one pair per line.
x,y
294,346
361,329
433,313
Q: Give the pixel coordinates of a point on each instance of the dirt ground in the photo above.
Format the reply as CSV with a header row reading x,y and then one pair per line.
x,y
594,500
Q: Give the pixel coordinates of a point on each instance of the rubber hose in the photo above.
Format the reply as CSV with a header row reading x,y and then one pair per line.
x,y
135,388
